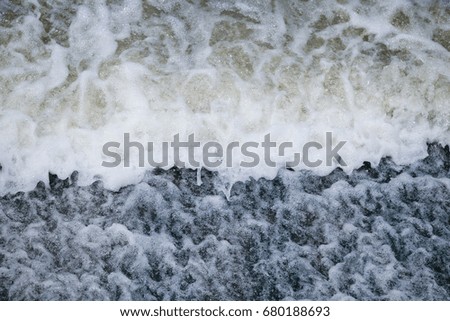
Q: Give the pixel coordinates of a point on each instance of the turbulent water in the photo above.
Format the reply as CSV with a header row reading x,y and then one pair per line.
x,y
75,75
380,233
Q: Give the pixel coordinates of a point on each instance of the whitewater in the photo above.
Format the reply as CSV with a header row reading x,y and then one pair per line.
x,y
77,75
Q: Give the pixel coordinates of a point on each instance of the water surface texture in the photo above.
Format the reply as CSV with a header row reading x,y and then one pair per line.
x,y
77,74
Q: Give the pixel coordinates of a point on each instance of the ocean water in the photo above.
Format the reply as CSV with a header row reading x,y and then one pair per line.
x,y
76,75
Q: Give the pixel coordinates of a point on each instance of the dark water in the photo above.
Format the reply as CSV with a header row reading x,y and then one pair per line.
x,y
381,233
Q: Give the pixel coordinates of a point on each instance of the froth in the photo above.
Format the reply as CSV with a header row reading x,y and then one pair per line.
x,y
73,77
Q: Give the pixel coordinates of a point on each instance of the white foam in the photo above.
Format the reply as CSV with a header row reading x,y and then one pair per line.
x,y
227,72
